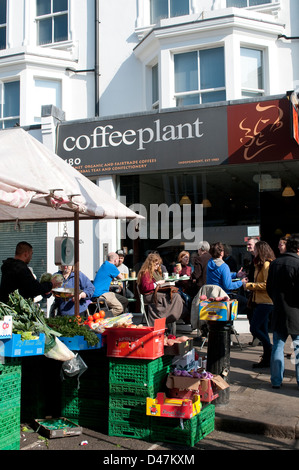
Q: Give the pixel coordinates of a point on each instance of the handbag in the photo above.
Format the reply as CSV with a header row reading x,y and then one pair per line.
x,y
165,289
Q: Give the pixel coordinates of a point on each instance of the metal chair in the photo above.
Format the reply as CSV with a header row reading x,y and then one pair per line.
x,y
142,306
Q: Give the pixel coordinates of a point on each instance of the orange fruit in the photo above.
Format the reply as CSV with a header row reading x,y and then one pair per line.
x,y
102,313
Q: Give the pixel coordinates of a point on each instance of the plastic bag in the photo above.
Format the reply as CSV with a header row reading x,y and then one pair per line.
x,y
75,366
59,352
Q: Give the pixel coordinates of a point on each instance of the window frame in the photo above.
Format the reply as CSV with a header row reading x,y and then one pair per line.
x,y
263,3
6,119
200,92
248,92
52,15
155,21
4,26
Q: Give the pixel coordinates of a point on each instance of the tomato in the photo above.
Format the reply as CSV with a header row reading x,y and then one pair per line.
x,y
90,318
90,323
102,313
96,315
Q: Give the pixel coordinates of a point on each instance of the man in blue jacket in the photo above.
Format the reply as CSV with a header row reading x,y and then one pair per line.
x,y
117,303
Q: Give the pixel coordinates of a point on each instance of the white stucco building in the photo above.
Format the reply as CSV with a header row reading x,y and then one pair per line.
x,y
86,60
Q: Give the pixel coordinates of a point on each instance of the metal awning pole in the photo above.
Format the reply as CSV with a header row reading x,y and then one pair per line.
x,y
76,257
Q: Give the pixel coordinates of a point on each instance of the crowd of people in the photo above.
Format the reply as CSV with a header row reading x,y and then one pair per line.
x,y
266,289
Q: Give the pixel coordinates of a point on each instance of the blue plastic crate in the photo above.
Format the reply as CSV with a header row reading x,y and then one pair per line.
x,y
78,343
15,347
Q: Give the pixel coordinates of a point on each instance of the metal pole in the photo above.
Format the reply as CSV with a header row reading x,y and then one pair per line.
x,y
218,354
76,257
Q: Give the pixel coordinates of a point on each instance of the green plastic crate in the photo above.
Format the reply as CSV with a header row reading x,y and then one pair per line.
x,y
128,390
184,432
140,430
10,365
138,371
11,442
10,420
10,387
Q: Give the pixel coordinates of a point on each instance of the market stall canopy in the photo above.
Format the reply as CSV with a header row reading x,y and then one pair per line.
x,y
36,184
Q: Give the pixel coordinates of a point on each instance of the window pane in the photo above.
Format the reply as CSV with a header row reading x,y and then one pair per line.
x,y
213,97
159,9
187,100
179,7
43,7
2,11
2,38
236,3
212,68
59,5
10,123
60,28
45,31
258,2
186,72
251,68
155,86
46,92
11,106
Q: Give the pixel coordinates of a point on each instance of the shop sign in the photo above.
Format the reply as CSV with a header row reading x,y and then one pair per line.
x,y
253,131
147,142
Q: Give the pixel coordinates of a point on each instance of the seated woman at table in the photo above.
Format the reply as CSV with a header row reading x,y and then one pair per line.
x,y
186,288
162,305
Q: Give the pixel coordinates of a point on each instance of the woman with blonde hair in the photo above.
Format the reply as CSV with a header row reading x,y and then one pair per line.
x,y
263,305
160,304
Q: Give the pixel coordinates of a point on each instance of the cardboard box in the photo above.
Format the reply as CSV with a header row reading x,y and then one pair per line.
x,y
185,362
16,347
57,427
179,349
218,311
206,388
173,408
78,343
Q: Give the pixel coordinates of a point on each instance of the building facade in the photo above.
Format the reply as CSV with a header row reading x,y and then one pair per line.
x,y
150,69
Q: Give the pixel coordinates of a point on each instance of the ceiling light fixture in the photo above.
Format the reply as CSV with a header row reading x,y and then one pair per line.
x,y
206,203
288,191
185,200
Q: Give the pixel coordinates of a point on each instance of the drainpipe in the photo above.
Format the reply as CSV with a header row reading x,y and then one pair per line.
x,y
96,62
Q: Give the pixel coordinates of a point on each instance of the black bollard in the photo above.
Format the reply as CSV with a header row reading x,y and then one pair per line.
x,y
218,355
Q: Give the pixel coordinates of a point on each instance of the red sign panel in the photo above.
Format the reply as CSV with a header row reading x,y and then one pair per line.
x,y
260,132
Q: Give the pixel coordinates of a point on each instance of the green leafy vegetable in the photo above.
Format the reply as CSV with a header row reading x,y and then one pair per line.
x,y
69,326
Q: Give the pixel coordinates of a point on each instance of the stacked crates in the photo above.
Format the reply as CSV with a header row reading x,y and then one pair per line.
x,y
84,399
185,431
130,382
10,404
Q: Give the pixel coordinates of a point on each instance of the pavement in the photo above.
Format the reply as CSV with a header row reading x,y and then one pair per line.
x,y
253,406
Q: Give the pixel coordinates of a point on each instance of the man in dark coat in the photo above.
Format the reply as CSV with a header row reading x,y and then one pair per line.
x,y
282,287
199,274
16,275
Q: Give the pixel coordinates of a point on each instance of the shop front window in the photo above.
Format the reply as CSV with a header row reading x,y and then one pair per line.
x,y
240,200
252,72
52,21
199,77
168,8
10,104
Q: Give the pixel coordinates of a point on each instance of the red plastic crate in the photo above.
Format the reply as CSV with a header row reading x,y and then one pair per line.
x,y
136,343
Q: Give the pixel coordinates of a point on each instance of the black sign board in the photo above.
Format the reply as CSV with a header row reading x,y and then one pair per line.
x,y
146,142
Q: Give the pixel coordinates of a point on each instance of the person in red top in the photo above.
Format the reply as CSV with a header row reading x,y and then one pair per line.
x,y
163,306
